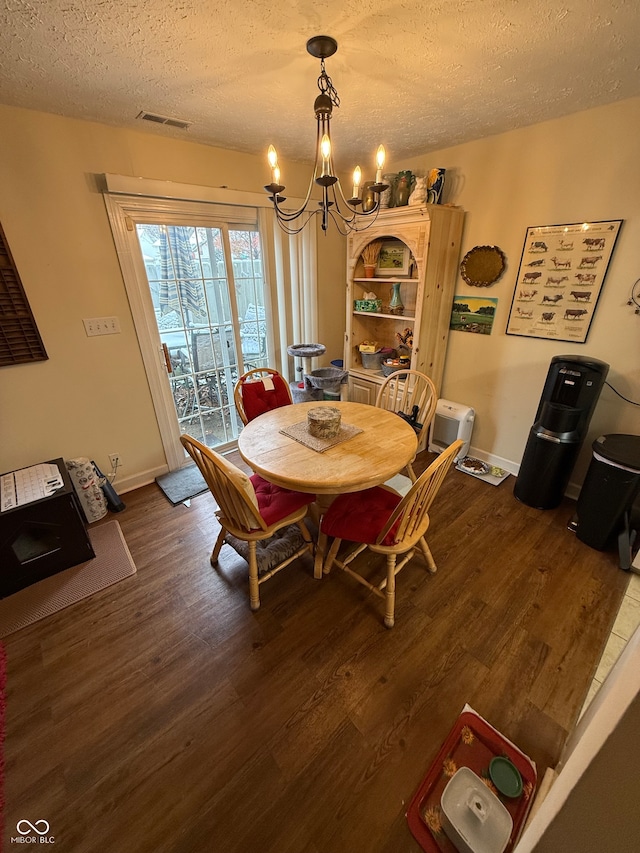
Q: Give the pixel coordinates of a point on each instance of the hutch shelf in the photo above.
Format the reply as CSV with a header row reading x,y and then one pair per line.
x,y
431,236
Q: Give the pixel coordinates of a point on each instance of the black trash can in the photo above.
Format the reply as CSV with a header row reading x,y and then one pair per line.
x,y
610,488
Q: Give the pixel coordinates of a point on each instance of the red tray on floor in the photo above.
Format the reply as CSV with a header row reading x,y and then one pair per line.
x,y
472,743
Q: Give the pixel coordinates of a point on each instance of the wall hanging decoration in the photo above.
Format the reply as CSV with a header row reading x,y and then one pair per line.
x,y
482,266
561,274
473,314
634,299
20,341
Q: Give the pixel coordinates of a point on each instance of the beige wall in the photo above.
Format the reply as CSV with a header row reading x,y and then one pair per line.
x,y
91,397
581,167
592,806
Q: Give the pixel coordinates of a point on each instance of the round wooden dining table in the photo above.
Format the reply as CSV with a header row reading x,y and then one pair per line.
x,y
382,449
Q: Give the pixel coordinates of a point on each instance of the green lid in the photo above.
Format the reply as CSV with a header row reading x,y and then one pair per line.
x,y
505,776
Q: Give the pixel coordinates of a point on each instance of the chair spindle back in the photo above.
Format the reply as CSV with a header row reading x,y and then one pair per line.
x,y
231,488
413,508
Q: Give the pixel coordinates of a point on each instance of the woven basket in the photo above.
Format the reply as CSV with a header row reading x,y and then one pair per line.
x,y
388,369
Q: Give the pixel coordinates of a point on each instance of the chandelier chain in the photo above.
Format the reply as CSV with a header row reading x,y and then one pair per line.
x,y
326,85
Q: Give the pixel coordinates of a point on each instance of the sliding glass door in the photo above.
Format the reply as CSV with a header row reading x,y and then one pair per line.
x,y
195,279
207,290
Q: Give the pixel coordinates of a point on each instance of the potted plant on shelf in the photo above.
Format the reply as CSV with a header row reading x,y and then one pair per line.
x,y
370,257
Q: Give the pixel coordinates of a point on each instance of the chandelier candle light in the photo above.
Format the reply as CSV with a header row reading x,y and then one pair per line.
x,y
346,217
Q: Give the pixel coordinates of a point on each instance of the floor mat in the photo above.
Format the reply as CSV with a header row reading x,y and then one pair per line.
x,y
112,563
179,486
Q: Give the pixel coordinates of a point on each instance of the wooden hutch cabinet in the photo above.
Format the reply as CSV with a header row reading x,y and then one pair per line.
x,y
430,237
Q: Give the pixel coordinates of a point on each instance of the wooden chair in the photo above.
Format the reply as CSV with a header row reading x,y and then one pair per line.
x,y
386,523
252,510
258,398
414,394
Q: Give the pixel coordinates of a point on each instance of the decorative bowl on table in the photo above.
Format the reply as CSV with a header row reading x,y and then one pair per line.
x,y
368,304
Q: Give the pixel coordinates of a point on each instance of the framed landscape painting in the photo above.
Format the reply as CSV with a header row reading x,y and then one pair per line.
x,y
562,270
473,314
393,259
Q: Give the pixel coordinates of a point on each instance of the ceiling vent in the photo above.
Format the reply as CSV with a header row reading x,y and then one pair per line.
x,y
172,122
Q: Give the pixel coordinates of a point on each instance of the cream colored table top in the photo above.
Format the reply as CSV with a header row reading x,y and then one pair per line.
x,y
384,447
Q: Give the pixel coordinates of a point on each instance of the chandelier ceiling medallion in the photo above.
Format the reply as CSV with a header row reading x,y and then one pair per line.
x,y
344,212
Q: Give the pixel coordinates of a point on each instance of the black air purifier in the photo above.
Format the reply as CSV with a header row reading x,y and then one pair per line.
x,y
569,397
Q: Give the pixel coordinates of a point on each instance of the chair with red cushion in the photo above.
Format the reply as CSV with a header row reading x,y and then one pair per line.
x,y
252,511
387,523
258,391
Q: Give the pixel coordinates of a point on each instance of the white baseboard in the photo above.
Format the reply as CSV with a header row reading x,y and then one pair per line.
x,y
492,459
122,485
572,491
143,478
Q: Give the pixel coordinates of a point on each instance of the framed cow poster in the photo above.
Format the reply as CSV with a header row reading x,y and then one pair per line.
x,y
561,273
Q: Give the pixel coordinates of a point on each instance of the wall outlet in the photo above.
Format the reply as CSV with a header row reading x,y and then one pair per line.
x,y
115,460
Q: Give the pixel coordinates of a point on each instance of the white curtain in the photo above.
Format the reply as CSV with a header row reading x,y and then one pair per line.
x,y
291,270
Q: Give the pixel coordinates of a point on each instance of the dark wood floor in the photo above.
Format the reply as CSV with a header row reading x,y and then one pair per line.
x,y
162,715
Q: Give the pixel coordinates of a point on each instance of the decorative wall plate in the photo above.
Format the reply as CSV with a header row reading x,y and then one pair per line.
x,y
482,266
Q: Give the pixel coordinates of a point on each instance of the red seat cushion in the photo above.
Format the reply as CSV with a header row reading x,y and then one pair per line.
x,y
256,400
360,516
275,503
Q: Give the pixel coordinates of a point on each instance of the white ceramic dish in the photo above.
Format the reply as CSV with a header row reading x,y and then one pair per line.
x,y
474,466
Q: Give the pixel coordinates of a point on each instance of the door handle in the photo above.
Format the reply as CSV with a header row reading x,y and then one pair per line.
x,y
167,359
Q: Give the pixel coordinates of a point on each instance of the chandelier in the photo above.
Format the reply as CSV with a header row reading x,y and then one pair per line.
x,y
344,212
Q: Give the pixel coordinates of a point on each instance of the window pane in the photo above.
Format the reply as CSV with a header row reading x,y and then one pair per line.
x,y
246,254
193,297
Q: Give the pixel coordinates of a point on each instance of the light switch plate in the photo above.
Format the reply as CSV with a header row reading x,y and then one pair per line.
x,y
102,326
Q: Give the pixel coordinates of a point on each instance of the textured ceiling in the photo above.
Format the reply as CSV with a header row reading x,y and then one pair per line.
x,y
414,75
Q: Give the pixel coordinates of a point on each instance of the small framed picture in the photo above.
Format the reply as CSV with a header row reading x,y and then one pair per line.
x,y
473,314
393,259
